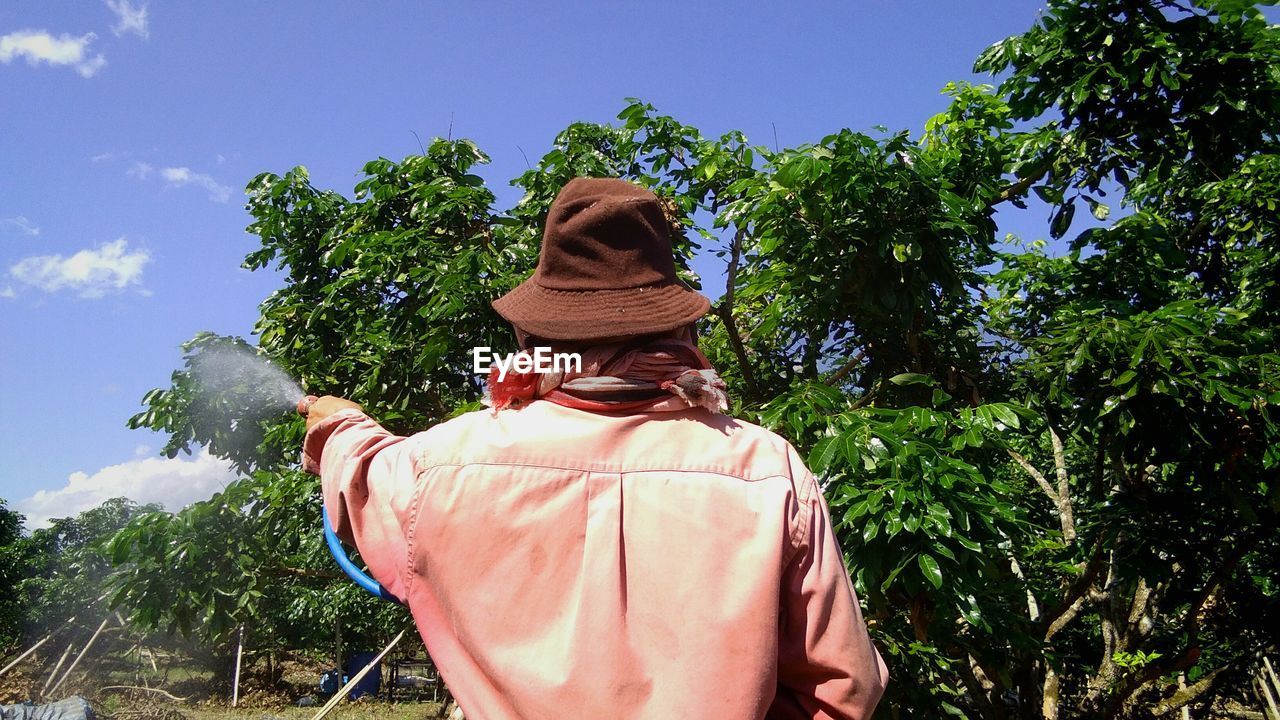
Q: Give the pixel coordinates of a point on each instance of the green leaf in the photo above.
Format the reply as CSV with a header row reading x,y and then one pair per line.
x,y
870,531
911,379
1005,415
929,567
822,454
908,251
1061,221
1100,210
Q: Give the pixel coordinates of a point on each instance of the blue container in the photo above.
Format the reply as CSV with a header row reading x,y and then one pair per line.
x,y
370,684
330,681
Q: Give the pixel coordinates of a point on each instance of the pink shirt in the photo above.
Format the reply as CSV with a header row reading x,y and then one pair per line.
x,y
561,563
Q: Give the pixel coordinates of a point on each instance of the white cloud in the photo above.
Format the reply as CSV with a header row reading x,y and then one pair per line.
x,y
91,67
139,170
22,224
174,483
40,46
103,157
7,292
91,273
180,176
131,18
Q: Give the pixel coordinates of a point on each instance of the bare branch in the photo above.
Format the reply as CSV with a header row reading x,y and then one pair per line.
x,y
979,691
145,689
1148,674
1050,693
1065,513
1189,693
1191,625
1060,497
1021,185
724,310
731,280
1069,613
845,369
1234,709
1137,611
1035,474
1033,607
867,396
1073,599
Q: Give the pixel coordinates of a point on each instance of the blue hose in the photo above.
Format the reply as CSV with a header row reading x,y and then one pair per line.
x,y
359,576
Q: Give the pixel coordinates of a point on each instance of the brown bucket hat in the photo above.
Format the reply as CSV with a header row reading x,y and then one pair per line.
x,y
606,269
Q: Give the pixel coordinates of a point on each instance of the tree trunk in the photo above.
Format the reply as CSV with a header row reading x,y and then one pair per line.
x,y
1049,703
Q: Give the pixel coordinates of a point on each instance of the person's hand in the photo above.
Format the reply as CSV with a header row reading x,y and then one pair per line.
x,y
326,406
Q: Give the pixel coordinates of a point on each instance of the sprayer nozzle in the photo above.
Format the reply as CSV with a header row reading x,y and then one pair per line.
x,y
304,405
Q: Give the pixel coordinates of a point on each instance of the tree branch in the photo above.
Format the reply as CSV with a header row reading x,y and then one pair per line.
x,y
980,694
867,396
144,689
1148,674
1021,185
1189,693
1033,606
725,312
1234,709
1069,606
1191,625
1065,513
840,372
1137,611
1061,502
1104,678
1035,474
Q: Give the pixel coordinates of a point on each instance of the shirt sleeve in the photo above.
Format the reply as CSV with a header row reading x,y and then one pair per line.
x,y
368,477
827,665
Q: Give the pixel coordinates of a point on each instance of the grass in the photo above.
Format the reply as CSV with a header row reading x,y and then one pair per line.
x,y
346,711
203,696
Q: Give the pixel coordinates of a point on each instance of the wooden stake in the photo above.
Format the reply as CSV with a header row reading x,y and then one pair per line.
x,y
80,657
342,692
24,655
57,667
33,648
337,642
1182,685
1261,681
235,685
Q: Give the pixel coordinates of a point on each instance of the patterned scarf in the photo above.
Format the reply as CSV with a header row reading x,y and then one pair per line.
x,y
664,374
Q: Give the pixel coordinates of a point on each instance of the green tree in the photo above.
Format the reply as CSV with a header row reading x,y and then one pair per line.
x,y
66,569
251,555
1054,475
13,567
59,571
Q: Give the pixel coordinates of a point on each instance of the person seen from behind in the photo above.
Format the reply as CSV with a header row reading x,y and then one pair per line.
x,y
605,542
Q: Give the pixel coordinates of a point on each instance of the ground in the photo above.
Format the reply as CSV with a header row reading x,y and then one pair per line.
x,y
347,711
183,692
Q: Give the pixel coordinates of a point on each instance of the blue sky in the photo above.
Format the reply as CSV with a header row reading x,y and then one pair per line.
x,y
130,130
